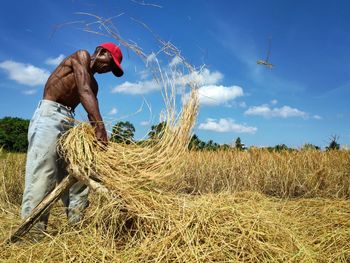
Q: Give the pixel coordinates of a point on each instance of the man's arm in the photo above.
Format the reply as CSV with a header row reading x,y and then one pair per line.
x,y
83,79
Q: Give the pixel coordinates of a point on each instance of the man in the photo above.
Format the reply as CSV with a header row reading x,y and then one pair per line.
x,y
71,83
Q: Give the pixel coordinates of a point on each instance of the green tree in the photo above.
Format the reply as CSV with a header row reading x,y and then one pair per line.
x,y
123,132
333,143
309,146
239,145
196,143
201,145
157,131
224,146
13,134
281,147
211,146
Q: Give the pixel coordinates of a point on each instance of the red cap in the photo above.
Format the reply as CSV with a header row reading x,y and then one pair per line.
x,y
117,55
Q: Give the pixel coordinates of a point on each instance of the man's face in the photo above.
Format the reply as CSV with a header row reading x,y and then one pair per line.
x,y
104,62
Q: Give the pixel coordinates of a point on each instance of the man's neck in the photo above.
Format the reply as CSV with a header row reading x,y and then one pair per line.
x,y
92,64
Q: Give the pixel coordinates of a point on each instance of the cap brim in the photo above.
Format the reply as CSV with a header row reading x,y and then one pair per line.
x,y
117,70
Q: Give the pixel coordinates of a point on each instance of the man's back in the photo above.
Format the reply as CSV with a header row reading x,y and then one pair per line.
x,y
62,86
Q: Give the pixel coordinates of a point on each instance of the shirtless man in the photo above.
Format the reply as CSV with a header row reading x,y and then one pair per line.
x,y
71,83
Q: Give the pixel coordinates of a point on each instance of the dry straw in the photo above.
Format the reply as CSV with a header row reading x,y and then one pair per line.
x,y
126,169
148,217
286,174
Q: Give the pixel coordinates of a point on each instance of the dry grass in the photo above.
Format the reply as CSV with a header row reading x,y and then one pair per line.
x,y
307,173
169,226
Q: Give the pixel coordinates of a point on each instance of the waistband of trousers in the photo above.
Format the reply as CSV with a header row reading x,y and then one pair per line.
x,y
57,106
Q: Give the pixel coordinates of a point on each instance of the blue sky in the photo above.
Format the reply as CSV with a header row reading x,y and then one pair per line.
x,y
303,99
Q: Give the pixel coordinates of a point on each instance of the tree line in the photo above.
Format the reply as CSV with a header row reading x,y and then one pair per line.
x,y
13,137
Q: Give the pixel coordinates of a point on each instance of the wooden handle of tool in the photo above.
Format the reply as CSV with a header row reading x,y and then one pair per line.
x,y
43,206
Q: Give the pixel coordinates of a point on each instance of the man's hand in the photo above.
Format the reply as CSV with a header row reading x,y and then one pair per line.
x,y
101,133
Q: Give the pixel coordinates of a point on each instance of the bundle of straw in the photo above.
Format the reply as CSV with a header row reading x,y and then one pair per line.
x,y
123,168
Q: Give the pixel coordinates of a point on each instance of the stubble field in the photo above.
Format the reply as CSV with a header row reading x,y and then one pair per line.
x,y
224,206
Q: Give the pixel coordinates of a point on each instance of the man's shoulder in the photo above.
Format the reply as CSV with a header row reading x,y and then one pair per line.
x,y
81,56
82,52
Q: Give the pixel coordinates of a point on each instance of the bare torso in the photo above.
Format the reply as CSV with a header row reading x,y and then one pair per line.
x,y
62,86
73,82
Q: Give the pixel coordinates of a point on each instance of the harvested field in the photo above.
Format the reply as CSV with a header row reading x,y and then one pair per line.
x,y
166,204
222,223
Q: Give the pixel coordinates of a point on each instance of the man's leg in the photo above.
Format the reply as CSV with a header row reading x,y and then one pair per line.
x,y
78,202
40,176
76,199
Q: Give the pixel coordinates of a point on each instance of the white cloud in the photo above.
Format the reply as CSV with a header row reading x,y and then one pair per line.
x,y
113,111
141,87
55,61
144,74
283,112
234,104
213,95
209,91
175,61
25,74
151,58
30,91
226,125
242,104
274,102
317,117
144,123
203,77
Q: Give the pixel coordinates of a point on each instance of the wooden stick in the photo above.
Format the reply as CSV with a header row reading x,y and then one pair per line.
x,y
50,199
92,184
43,206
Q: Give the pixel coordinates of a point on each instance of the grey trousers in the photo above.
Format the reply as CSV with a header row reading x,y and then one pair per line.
x,y
44,169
